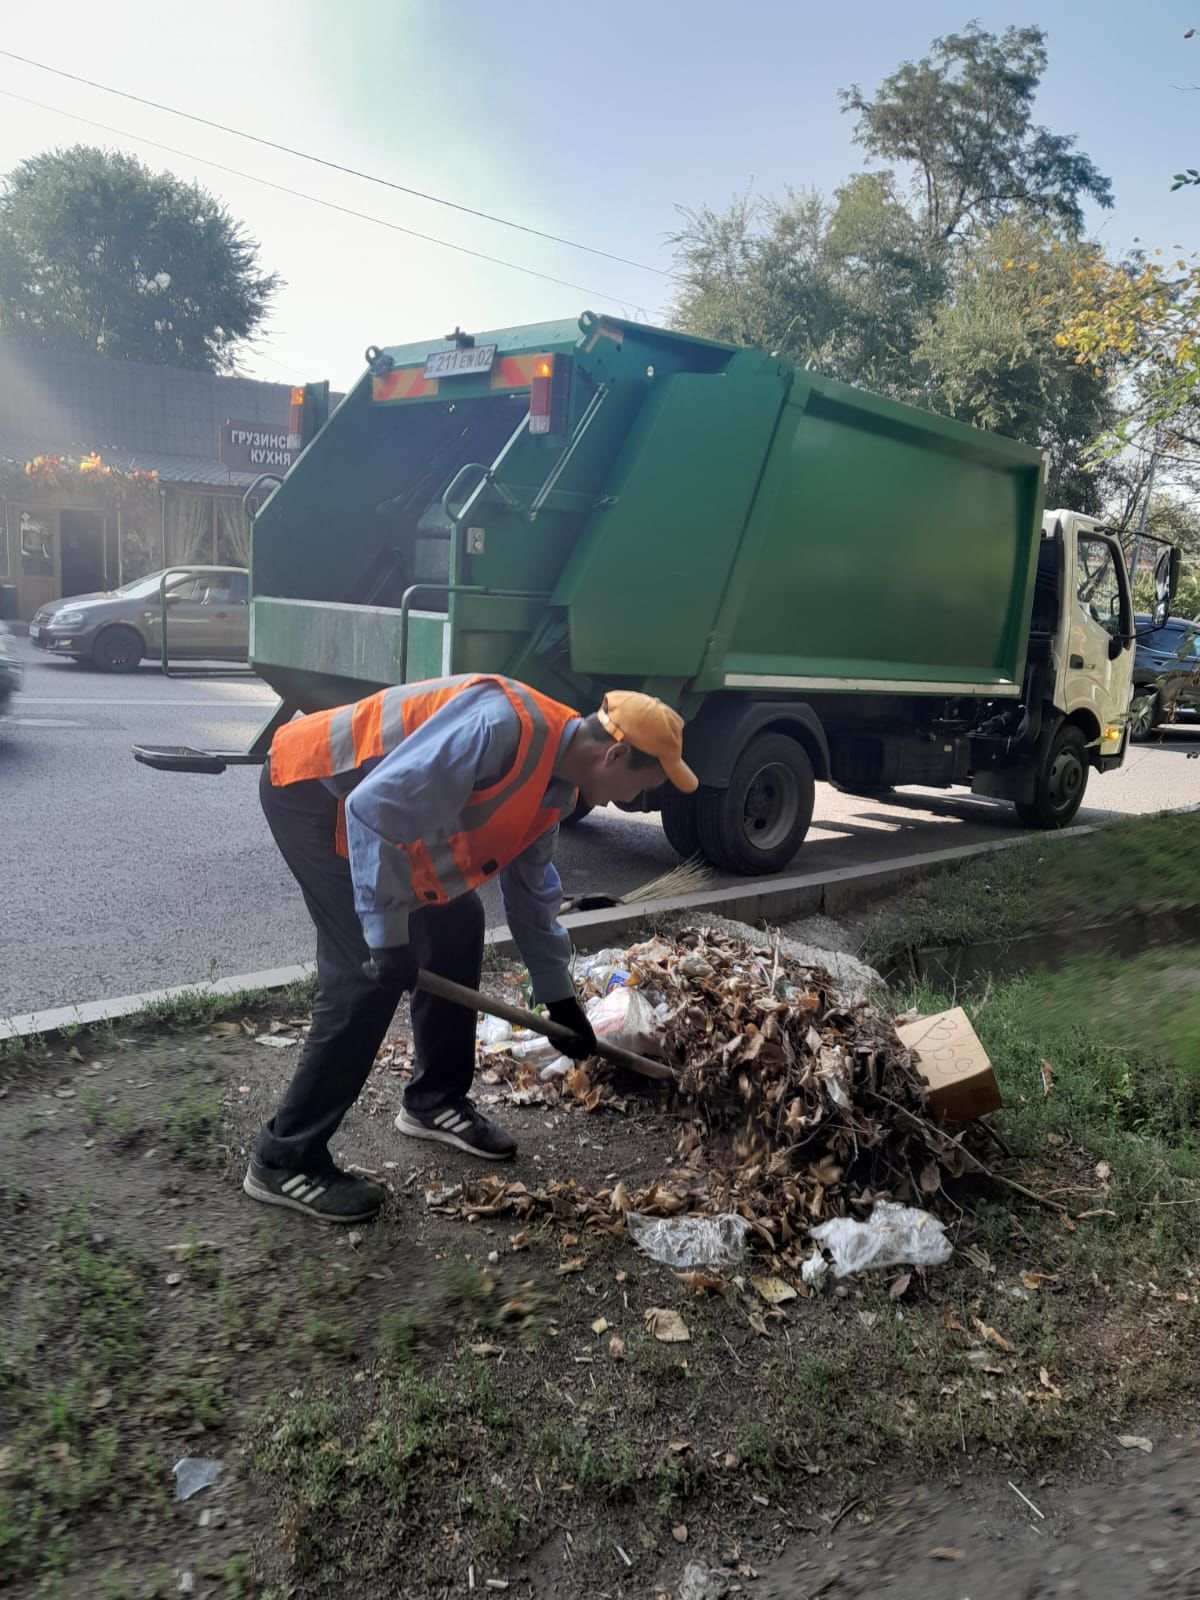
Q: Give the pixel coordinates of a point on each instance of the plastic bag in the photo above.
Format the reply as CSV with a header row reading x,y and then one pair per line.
x,y
690,1241
893,1236
493,1031
193,1473
622,1016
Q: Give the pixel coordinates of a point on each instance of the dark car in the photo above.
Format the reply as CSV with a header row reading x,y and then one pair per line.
x,y
10,669
1166,675
209,620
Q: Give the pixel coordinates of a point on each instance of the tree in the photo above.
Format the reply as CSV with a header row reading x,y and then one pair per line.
x,y
994,360
99,253
842,288
962,119
1147,313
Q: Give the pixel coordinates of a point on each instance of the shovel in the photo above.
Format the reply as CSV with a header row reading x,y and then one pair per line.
x,y
444,989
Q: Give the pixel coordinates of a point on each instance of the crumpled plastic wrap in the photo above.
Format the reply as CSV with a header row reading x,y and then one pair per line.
x,y
892,1236
690,1241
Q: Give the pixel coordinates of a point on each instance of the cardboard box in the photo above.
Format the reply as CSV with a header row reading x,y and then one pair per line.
x,y
949,1056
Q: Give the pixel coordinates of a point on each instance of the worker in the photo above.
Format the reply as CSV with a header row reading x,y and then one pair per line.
x,y
390,814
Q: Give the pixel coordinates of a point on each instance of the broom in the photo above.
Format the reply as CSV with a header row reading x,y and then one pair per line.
x,y
689,877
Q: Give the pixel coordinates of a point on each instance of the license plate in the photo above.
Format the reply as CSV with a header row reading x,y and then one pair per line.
x,y
460,363
34,633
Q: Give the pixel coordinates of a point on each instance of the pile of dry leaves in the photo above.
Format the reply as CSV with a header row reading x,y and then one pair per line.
x,y
793,1107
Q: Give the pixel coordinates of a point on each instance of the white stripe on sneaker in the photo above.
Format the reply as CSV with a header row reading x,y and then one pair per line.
x,y
298,1181
444,1117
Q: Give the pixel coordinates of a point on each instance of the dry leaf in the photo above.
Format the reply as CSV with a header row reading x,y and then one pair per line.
x,y
702,1282
621,1203
576,1264
1044,1380
945,1552
667,1326
1038,1280
1133,1441
101,1398
485,1349
679,1533
1103,1172
622,1277
1047,1079
773,1290
600,1325
519,1241
757,1323
991,1335
899,1286
616,1348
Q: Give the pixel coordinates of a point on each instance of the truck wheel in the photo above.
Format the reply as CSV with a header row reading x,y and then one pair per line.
x,y
758,823
1060,784
1143,717
582,809
679,823
118,649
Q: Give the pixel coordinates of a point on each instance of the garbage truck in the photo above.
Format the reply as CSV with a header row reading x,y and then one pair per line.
x,y
830,586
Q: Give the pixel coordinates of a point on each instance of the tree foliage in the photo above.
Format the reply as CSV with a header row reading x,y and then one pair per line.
x,y
993,358
842,287
962,119
99,253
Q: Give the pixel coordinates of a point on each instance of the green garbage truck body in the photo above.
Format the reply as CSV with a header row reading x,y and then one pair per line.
x,y
831,586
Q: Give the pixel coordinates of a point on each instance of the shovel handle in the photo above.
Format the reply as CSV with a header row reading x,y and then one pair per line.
x,y
444,989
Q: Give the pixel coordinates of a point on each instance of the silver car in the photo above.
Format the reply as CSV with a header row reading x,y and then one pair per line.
x,y
209,620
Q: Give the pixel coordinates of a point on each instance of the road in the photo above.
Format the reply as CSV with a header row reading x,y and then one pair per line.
x,y
117,879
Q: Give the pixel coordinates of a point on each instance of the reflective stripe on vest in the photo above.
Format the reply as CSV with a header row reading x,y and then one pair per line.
x,y
499,822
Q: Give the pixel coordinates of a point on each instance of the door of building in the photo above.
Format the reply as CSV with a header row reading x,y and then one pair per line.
x,y
81,548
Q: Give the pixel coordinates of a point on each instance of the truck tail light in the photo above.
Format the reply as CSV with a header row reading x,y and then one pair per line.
x,y
549,390
296,419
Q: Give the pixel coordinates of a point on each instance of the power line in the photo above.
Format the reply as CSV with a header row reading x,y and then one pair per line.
x,y
316,200
334,166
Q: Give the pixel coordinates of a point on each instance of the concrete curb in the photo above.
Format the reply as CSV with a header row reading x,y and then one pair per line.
x,y
756,900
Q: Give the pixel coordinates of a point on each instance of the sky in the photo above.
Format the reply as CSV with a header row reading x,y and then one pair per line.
x,y
594,122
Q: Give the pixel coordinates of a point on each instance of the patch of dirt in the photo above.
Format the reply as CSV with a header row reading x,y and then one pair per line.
x,y
1133,1535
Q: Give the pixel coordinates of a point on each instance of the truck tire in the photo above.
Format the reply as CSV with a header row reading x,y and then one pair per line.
x,y
679,823
758,823
1143,717
118,649
1060,784
582,809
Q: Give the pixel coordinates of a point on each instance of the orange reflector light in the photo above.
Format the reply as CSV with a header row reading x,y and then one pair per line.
x,y
548,393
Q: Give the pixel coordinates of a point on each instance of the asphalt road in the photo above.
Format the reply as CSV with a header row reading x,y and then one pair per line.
x,y
117,879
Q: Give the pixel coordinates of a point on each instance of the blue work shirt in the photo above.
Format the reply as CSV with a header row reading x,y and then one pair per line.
x,y
420,790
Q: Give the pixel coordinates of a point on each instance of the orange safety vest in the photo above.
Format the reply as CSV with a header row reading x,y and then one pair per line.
x,y
499,822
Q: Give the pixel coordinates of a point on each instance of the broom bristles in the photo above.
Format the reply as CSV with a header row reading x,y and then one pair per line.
x,y
689,877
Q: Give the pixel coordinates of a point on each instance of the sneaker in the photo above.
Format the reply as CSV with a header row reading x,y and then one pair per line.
x,y
464,1126
330,1196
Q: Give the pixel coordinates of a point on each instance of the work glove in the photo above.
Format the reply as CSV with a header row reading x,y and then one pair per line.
x,y
570,1014
393,968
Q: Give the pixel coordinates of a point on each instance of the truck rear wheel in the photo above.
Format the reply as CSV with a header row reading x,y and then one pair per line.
x,y
758,823
1060,784
679,823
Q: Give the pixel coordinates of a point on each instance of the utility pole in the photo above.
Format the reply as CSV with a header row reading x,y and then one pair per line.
x,y
1135,563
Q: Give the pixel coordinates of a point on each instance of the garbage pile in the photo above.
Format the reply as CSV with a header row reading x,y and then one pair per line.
x,y
794,1105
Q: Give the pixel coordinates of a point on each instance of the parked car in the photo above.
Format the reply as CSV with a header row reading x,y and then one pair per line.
x,y
10,668
209,621
1166,675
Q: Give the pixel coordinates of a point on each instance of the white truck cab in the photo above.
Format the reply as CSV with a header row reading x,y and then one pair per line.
x,y
1078,684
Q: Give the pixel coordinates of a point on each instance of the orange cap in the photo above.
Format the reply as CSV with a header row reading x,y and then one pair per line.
x,y
651,727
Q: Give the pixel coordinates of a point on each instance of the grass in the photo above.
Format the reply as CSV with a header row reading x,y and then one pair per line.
x,y
1147,863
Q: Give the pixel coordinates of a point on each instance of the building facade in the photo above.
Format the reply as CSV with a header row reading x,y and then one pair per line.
x,y
111,469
